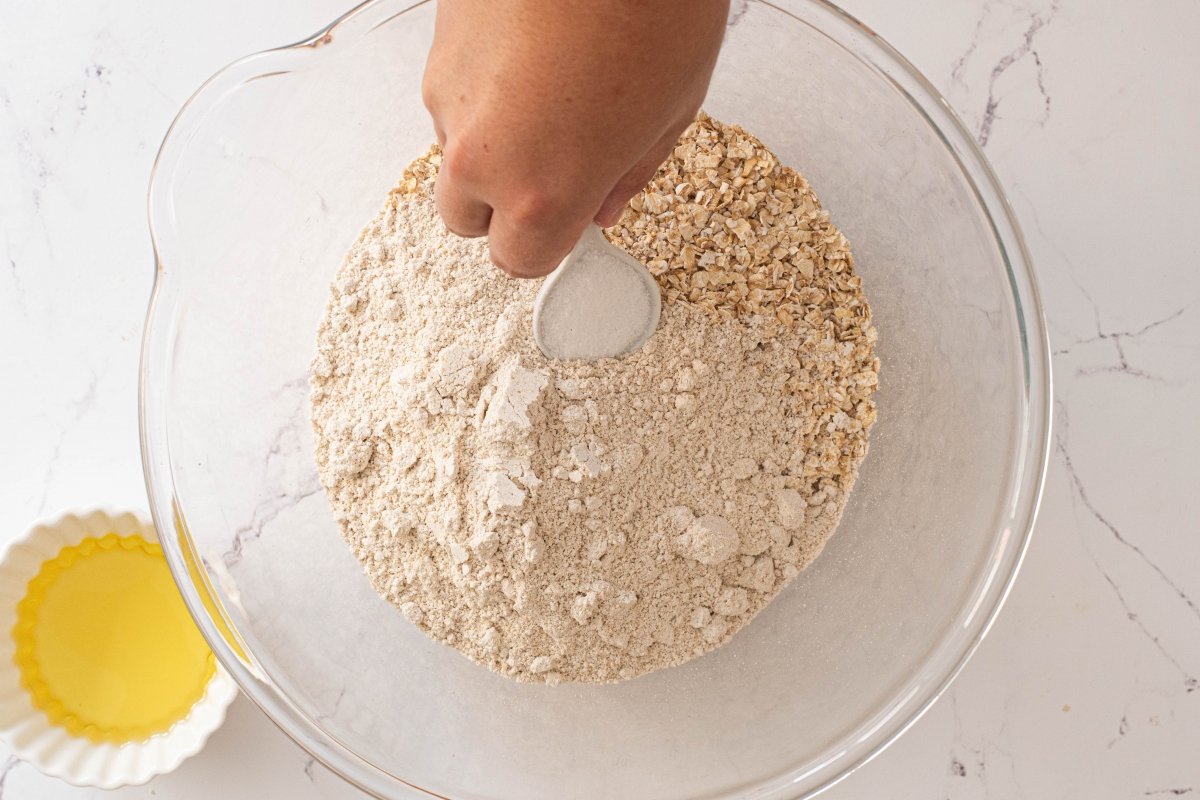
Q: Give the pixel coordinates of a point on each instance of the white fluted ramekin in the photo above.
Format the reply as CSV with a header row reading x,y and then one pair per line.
x,y
49,747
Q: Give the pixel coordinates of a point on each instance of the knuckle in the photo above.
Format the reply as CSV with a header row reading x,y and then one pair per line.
x,y
431,83
538,206
454,216
504,266
513,266
429,92
460,227
457,161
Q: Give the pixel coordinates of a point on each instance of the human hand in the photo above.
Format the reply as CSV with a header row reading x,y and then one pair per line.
x,y
553,113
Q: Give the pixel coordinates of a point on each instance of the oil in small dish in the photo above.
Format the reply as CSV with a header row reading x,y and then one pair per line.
x,y
104,644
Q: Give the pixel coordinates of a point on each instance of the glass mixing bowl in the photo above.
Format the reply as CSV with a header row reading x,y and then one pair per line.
x,y
266,177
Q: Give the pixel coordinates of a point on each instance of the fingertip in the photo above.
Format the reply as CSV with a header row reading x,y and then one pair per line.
x,y
608,215
521,271
525,249
462,215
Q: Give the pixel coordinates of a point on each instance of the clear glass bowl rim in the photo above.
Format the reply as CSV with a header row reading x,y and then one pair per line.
x,y
952,654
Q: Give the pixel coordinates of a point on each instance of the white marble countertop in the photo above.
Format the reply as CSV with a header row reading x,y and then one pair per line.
x,y
1087,687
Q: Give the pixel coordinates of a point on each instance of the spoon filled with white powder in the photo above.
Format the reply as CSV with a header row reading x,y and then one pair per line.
x,y
601,302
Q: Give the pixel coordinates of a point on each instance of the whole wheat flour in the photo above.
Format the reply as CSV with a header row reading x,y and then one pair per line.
x,y
594,521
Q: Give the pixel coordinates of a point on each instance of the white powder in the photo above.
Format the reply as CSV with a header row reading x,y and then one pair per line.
x,y
566,520
599,303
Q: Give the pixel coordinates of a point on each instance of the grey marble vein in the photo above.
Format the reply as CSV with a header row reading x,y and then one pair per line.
x,y
1122,366
737,11
959,69
1036,23
333,712
958,768
10,763
78,410
1191,683
1122,729
17,295
1081,492
283,444
1068,263
1117,336
264,514
132,64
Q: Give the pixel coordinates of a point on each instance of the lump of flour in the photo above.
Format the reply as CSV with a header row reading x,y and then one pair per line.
x,y
594,521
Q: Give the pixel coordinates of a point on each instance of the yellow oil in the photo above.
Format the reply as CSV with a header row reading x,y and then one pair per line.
x,y
104,643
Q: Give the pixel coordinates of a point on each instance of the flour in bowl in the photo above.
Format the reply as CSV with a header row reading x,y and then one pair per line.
x,y
594,521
